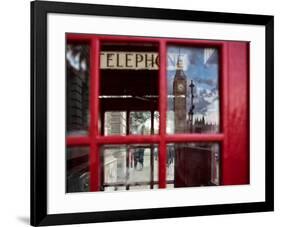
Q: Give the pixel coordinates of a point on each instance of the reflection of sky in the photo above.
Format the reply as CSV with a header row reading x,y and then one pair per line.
x,y
201,66
73,58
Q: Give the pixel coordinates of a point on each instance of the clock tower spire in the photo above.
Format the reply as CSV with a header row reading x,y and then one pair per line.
x,y
180,92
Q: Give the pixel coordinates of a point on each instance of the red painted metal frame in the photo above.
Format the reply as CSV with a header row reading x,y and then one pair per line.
x,y
224,107
147,139
162,111
95,140
177,138
111,38
130,139
78,140
94,115
235,164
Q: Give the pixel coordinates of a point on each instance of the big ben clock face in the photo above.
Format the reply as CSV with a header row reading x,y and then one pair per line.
x,y
180,87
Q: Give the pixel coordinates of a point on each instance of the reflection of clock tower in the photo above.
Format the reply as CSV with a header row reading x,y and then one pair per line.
x,y
179,91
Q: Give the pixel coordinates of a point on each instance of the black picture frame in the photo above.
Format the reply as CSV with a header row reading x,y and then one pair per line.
x,y
39,11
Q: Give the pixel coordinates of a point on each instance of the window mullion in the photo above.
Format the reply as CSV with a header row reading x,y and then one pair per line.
x,y
182,138
162,111
94,115
224,108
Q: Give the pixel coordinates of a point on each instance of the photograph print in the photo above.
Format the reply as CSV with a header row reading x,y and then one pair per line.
x,y
123,105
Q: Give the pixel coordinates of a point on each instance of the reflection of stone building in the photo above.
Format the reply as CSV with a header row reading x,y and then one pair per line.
x,y
201,126
114,159
115,123
180,91
184,121
77,89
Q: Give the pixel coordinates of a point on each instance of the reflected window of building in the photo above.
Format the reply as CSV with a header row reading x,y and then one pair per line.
x,y
129,167
193,90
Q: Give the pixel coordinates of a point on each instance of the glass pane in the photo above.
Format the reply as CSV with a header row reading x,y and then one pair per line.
x,y
77,167
115,123
170,165
77,91
129,84
140,123
128,167
193,90
193,164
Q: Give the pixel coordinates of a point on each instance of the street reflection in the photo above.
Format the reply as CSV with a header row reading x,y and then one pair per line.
x,y
129,166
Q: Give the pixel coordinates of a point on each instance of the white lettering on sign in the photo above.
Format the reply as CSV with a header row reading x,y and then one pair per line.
x,y
138,60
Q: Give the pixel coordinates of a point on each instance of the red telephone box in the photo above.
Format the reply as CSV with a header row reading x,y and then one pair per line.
x,y
156,113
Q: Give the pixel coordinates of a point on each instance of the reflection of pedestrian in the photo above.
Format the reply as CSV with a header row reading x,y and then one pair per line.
x,y
135,154
131,157
139,157
139,153
155,153
171,153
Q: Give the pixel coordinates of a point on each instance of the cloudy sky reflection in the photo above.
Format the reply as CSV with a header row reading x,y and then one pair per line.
x,y
201,66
